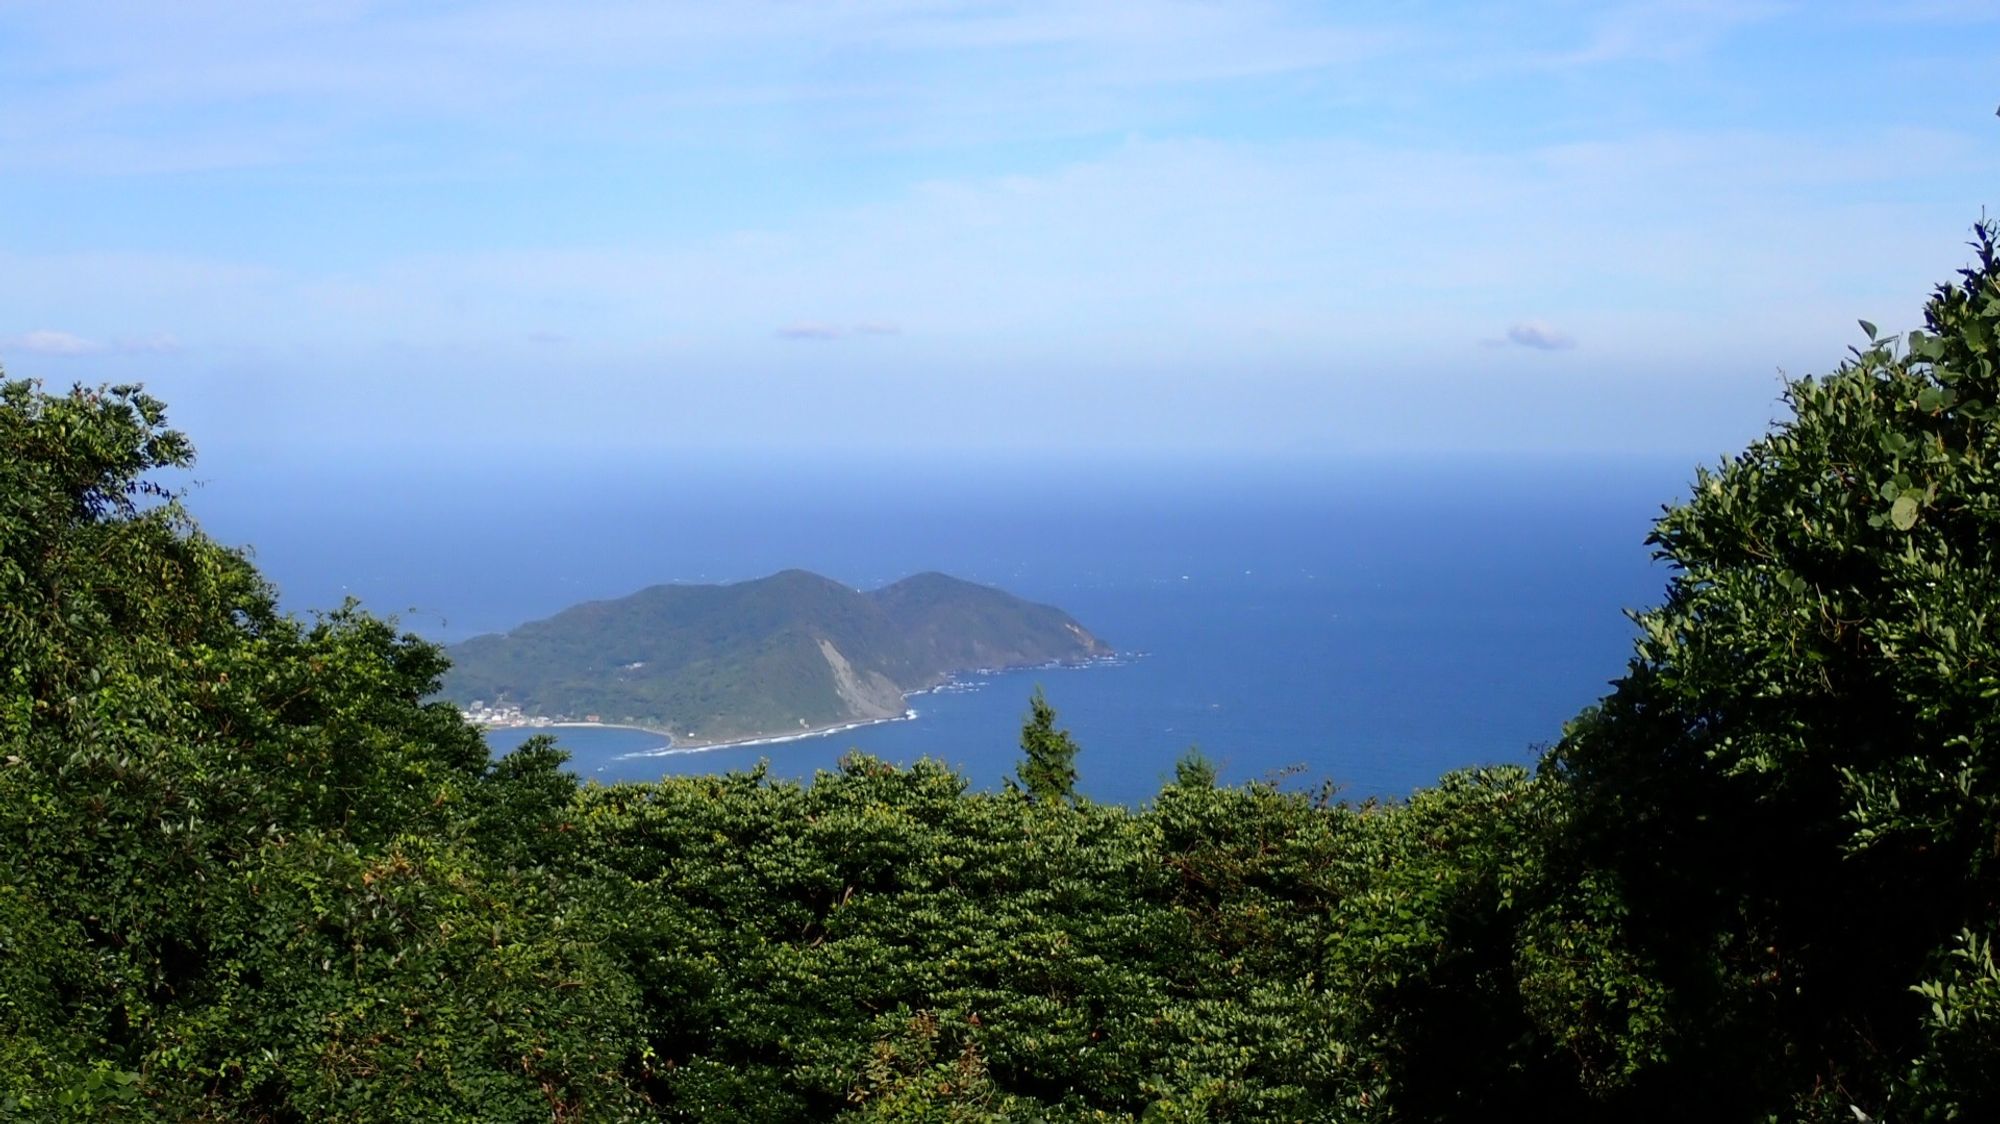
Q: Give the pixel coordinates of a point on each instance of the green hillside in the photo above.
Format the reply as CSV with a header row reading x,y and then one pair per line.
x,y
789,652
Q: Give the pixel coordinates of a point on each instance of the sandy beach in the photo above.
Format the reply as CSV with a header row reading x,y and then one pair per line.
x,y
672,748
675,746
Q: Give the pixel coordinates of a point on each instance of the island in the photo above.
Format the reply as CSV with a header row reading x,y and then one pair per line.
x,y
794,653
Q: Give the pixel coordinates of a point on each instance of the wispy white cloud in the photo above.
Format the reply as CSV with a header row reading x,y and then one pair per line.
x,y
1917,11
1540,336
51,342
1666,30
810,332
48,341
1165,251
134,89
816,330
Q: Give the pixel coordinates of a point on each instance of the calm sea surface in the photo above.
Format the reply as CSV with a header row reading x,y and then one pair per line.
x,y
1369,624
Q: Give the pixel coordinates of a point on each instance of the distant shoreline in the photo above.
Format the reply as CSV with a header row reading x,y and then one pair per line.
x,y
675,746
601,726
671,749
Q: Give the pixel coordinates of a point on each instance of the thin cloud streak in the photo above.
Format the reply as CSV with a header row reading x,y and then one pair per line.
x,y
48,341
144,89
819,331
1540,336
810,332
1175,251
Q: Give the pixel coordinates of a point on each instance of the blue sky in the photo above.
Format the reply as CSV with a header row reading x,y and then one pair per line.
x,y
909,227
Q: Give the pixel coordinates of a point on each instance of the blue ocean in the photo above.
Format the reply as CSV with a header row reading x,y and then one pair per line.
x,y
1365,624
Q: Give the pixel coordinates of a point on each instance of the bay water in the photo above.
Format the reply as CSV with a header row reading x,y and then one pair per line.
x,y
1368,624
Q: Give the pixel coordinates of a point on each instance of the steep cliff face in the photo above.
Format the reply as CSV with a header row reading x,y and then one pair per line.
x,y
778,655
866,694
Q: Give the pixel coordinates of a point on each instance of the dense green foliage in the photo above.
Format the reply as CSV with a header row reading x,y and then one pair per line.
x,y
793,650
1788,803
250,873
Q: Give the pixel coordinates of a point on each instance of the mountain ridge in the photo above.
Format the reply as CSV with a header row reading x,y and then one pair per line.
x,y
790,653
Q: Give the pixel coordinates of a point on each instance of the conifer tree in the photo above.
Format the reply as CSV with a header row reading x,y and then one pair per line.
x,y
1048,770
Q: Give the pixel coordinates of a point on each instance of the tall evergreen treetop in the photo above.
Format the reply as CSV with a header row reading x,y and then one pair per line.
x,y
1048,768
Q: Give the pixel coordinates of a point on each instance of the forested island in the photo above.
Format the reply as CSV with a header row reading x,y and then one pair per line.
x,y
253,870
786,654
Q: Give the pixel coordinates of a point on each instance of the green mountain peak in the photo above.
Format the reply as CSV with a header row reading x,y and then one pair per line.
x,y
782,654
